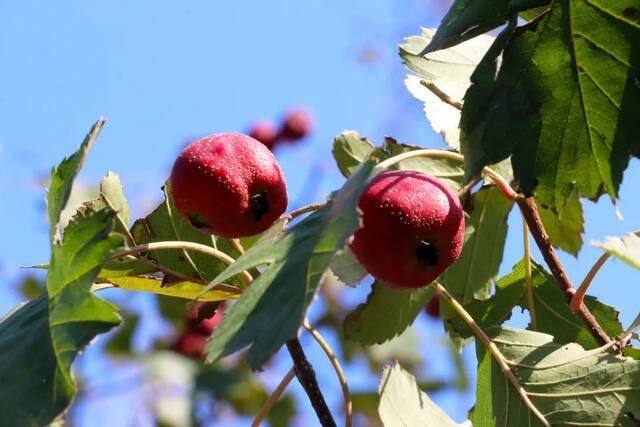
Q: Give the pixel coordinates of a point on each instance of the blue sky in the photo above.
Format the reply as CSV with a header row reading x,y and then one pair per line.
x,y
164,73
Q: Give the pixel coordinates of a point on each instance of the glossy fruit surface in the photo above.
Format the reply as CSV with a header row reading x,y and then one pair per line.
x,y
412,229
228,184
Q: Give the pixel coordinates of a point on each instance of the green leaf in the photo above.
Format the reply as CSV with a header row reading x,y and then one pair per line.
x,y
125,267
449,70
403,404
563,103
350,150
468,18
568,385
472,275
626,248
165,223
448,170
270,311
120,343
386,314
62,177
555,318
346,267
565,227
180,289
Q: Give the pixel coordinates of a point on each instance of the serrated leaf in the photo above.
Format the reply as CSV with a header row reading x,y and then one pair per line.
x,y
554,316
626,248
472,275
385,314
566,226
180,289
568,385
43,337
270,311
562,103
403,404
165,223
350,150
62,177
449,70
346,267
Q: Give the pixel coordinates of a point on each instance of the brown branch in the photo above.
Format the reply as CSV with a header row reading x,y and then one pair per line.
x,y
530,213
441,94
307,377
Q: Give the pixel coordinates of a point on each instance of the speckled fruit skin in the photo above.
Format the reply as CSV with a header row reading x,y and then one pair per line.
x,y
412,229
228,184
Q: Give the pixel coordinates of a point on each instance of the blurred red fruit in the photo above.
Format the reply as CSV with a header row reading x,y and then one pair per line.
x,y
190,344
204,317
296,125
265,132
433,307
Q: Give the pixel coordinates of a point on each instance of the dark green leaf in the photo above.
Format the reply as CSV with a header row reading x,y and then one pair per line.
x,y
62,177
385,314
165,223
472,275
564,103
270,311
565,227
350,150
468,18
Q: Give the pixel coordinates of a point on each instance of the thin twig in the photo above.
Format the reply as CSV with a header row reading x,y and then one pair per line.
x,y
264,411
527,277
193,246
500,182
532,217
493,349
237,245
346,395
304,210
441,94
307,377
578,298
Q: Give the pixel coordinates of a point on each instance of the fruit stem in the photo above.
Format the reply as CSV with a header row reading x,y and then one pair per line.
x,y
346,395
307,377
500,182
530,213
304,210
493,349
527,276
193,246
264,411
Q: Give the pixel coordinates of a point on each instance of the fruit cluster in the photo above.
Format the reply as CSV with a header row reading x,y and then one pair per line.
x,y
296,125
200,322
412,229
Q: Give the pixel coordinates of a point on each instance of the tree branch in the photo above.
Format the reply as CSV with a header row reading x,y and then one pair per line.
x,y
530,213
307,377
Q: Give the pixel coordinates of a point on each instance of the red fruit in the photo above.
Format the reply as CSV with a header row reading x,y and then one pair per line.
x,y
412,229
265,132
297,124
204,317
191,344
433,307
228,184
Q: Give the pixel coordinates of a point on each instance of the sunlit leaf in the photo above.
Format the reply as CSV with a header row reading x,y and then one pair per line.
x,y
565,227
626,248
350,150
180,289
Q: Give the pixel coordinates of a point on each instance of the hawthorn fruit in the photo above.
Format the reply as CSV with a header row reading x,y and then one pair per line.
x,y
433,307
228,184
265,132
412,229
297,124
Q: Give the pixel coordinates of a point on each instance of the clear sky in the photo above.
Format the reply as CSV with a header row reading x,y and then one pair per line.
x,y
165,72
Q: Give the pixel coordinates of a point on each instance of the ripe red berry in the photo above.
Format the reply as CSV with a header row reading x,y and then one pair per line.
x,y
228,184
433,307
296,125
190,344
265,132
412,229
